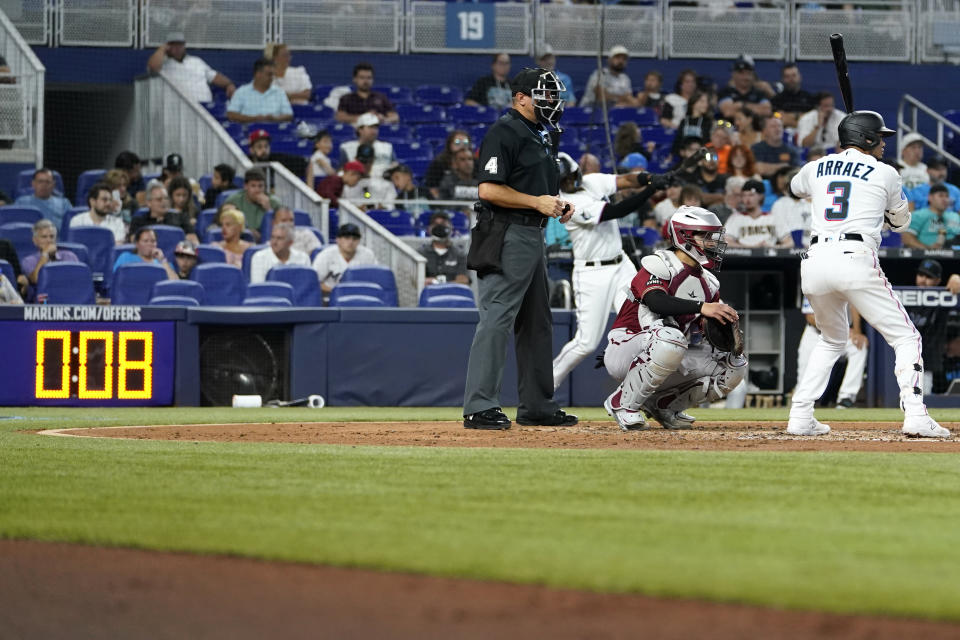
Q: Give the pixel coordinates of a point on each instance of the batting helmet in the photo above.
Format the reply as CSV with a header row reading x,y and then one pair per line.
x,y
863,129
569,168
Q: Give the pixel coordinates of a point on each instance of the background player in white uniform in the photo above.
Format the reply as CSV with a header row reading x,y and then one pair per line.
x,y
601,270
853,194
856,350
656,345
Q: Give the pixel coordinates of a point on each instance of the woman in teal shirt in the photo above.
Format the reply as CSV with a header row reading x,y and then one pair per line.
x,y
145,250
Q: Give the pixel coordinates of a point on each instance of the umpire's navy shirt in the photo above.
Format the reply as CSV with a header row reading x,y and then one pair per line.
x,y
517,153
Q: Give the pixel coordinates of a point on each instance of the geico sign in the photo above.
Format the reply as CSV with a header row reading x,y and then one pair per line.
x,y
927,298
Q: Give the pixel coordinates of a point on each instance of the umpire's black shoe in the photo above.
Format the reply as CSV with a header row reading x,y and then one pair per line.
x,y
492,419
559,419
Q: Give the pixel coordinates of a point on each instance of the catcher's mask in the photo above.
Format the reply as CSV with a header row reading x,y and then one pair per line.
x,y
699,234
571,178
544,88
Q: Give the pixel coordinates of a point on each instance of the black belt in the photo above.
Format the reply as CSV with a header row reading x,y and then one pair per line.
x,y
604,263
524,219
843,236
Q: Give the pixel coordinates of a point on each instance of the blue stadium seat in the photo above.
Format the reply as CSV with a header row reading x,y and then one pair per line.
x,y
205,219
431,132
223,197
399,223
321,91
274,289
7,270
86,180
223,284
341,131
333,222
78,250
580,116
313,254
419,167
477,133
573,148
67,217
360,301
65,283
25,182
374,273
306,287
117,250
594,136
267,301
420,113
890,239
187,288
247,257
471,114
173,301
301,111
447,302
396,93
395,133
20,235
445,289
438,94
406,151
210,254
19,214
640,117
168,237
133,283
356,289
217,109
658,135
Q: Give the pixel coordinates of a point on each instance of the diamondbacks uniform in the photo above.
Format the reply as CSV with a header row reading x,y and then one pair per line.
x,y
762,231
601,270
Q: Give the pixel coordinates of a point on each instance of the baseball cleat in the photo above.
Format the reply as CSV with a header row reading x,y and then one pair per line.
x,y
491,419
670,419
627,419
807,427
923,427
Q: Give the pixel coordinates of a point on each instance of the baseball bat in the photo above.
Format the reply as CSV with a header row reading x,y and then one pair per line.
x,y
843,72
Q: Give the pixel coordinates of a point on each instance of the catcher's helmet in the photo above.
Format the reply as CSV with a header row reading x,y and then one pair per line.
x,y
863,129
545,88
569,168
699,234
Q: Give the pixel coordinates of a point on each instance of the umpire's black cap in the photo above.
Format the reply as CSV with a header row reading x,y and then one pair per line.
x,y
526,81
931,268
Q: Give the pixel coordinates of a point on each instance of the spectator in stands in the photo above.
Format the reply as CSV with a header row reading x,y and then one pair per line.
x,y
819,126
708,179
459,182
173,168
145,250
159,212
617,88
259,100
373,191
181,198
749,127
548,61
772,152
280,251
778,187
792,101
190,73
332,187
933,226
691,196
750,226
744,90
294,81
791,213
589,163
742,163
129,162
652,96
320,165
493,90
220,181
731,198
456,140
913,172
8,292
334,260
254,201
52,206
260,151
937,171
675,104
364,100
664,210
628,139
633,162
721,142
9,253
45,240
303,238
445,263
100,201
232,224
816,152
698,122
124,204
688,147
407,191
368,129
185,255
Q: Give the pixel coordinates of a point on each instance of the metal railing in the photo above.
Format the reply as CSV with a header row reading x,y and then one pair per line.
x,y
21,96
216,24
104,23
340,25
908,121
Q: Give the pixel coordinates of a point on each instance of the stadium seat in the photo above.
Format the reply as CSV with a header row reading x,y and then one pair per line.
x,y
223,197
205,219
223,284
168,237
374,273
247,257
395,133
20,235
188,288
360,301
7,270
321,91
67,217
19,214
472,115
477,133
86,180
210,254
574,149
333,222
445,289
447,302
580,116
133,283
640,117
419,167
78,250
216,235
431,132
275,289
396,93
267,301
438,94
420,113
406,151
306,287
356,289
25,182
890,239
173,301
399,223
658,135
65,283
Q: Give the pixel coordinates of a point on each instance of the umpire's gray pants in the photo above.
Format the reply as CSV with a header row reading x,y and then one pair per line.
x,y
515,301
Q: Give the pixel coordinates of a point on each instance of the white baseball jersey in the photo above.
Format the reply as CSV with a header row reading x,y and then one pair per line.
x,y
592,239
760,231
849,191
791,214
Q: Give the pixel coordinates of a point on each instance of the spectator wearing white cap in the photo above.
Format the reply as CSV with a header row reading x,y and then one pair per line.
x,y
186,258
190,73
913,171
368,130
616,88
259,100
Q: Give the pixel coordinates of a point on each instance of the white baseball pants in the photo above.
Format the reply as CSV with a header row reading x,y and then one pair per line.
x,y
856,363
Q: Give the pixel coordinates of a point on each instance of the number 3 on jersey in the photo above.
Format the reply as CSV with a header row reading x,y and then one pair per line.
x,y
841,201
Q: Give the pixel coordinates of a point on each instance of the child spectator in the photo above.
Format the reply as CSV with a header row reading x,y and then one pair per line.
x,y
320,165
181,198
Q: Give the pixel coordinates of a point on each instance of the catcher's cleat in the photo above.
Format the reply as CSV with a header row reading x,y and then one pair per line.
x,y
628,419
670,419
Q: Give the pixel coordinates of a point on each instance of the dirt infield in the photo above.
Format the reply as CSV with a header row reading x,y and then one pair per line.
x,y
709,436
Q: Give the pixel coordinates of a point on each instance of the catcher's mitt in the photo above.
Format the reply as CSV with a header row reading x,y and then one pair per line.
x,y
724,337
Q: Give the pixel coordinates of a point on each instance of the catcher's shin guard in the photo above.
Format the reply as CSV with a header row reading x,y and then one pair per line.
x,y
661,357
727,374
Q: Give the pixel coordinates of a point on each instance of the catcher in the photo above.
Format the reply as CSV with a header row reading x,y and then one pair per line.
x,y
674,344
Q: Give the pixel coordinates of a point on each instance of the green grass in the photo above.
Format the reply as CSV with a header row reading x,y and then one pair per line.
x,y
843,532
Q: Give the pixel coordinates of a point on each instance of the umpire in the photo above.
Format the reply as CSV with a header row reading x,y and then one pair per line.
x,y
518,194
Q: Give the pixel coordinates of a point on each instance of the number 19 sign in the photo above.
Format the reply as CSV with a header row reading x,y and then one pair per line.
x,y
471,26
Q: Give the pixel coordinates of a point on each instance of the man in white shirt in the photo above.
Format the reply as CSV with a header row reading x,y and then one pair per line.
x,y
280,251
914,171
792,213
751,227
333,261
819,126
190,73
616,83
304,239
100,201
